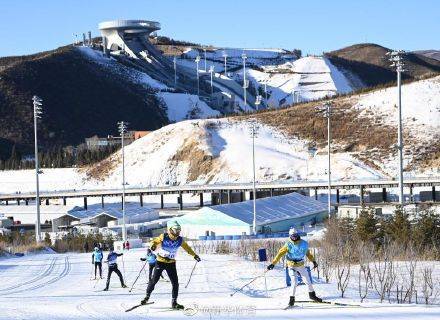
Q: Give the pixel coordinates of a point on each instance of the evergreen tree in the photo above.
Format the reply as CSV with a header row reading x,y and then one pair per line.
x,y
427,230
399,227
366,225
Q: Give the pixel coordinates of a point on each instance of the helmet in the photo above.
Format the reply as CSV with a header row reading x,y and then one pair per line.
x,y
293,234
174,228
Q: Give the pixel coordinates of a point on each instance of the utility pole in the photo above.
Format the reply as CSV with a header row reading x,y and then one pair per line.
x,y
211,71
122,127
38,102
197,66
396,57
175,72
225,55
254,132
245,85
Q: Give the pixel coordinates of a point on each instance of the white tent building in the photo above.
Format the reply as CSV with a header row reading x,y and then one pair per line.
x,y
274,215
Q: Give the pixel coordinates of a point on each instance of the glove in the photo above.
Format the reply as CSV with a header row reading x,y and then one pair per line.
x,y
315,264
149,251
143,259
270,267
153,248
197,258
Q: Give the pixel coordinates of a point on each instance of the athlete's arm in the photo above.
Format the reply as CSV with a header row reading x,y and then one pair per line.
x,y
187,248
156,241
283,250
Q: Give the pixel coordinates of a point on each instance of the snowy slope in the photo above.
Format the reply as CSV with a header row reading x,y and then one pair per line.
x,y
58,286
179,106
311,78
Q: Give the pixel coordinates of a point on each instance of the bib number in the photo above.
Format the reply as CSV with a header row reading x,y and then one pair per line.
x,y
166,254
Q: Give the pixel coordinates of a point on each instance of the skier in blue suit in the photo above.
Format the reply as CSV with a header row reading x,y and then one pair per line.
x,y
97,257
113,267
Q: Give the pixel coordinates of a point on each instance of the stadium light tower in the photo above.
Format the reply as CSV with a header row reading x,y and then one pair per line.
x,y
122,128
257,101
204,52
197,66
326,109
396,57
225,56
254,133
175,72
245,84
211,71
38,102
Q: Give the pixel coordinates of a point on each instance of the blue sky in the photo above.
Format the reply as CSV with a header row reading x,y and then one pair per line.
x,y
29,26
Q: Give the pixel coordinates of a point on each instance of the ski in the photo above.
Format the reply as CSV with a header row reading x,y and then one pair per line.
x,y
138,305
329,302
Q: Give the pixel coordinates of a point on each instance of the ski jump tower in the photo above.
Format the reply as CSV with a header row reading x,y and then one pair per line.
x,y
120,35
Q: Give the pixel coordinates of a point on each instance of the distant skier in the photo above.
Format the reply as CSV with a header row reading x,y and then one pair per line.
x,y
113,267
296,250
97,257
127,245
167,244
151,258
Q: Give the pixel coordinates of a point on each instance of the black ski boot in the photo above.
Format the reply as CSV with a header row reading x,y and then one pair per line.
x,y
176,306
124,286
145,300
106,289
292,301
312,296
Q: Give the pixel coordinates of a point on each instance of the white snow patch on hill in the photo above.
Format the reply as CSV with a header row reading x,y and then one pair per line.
x,y
182,106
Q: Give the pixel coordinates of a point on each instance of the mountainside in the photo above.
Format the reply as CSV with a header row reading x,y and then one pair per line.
x,y
291,145
370,63
433,54
84,94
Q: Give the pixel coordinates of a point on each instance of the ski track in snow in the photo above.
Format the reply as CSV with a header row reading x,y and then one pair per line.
x,y
59,287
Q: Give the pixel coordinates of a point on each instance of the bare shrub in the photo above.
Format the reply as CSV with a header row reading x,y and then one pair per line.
x,y
365,255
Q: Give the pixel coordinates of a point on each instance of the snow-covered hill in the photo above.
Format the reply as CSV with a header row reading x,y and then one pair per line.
x,y
220,150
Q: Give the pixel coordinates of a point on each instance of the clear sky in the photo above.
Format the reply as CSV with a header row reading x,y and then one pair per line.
x,y
29,26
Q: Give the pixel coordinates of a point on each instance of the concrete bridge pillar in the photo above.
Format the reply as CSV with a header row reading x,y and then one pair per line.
x,y
180,200
47,201
271,192
161,201
411,196
85,203
361,195
229,196
102,202
26,201
141,199
337,196
316,193
64,201
18,202
384,194
242,196
201,199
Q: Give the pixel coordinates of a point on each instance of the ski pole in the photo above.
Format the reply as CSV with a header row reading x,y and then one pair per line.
x,y
191,274
143,267
240,289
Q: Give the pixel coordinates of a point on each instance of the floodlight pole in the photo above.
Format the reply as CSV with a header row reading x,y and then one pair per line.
x,y
397,61
122,126
329,138
244,57
204,51
226,57
37,112
254,189
211,71
175,72
197,66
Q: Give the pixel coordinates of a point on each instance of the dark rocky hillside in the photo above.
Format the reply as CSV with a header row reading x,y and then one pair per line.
x,y
80,100
369,62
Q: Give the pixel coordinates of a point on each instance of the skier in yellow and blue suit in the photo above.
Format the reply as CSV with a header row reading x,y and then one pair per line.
x,y
167,245
296,250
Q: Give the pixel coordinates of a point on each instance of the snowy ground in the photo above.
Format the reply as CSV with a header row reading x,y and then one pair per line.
x,y
58,286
